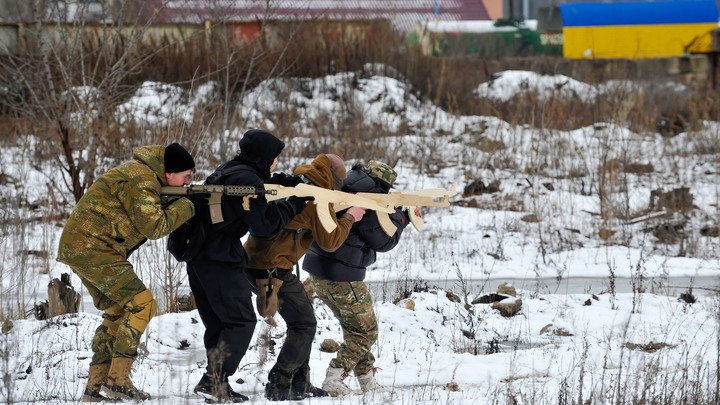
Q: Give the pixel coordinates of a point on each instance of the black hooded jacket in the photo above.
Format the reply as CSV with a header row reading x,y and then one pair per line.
x,y
258,150
350,261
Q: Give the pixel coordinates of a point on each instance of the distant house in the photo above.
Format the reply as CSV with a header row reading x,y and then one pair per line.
x,y
245,20
403,14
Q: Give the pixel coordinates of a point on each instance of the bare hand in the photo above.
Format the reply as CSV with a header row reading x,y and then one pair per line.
x,y
418,213
356,212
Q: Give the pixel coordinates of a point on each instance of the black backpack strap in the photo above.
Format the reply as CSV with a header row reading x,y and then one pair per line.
x,y
295,240
222,172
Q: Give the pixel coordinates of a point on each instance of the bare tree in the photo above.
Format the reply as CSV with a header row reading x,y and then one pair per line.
x,y
66,80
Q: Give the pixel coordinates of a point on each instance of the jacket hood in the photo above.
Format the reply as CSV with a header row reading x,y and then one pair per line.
x,y
153,157
318,171
360,182
259,149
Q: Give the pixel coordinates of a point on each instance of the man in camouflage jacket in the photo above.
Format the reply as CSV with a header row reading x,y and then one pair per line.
x,y
116,215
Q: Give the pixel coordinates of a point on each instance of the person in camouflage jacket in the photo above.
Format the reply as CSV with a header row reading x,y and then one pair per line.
x,y
337,278
116,215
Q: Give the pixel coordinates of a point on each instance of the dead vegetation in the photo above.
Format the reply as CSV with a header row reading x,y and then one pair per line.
x,y
34,99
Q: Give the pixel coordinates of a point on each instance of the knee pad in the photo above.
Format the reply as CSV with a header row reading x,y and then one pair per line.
x,y
142,308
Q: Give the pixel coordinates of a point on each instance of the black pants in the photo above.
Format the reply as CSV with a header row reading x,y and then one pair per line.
x,y
297,311
224,301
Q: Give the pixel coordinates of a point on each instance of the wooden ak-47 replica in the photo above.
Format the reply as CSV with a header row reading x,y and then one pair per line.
x,y
382,204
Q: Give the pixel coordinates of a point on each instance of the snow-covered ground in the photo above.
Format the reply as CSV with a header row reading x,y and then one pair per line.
x,y
602,342
440,352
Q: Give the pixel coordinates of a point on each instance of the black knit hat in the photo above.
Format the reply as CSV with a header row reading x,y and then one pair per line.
x,y
177,159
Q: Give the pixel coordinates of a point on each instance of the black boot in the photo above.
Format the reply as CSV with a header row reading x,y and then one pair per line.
x,y
303,389
276,392
217,391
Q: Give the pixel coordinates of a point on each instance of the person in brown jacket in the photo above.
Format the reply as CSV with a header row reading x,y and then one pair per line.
x,y
270,263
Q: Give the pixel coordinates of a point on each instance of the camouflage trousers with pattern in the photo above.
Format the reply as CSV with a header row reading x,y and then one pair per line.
x,y
127,307
351,303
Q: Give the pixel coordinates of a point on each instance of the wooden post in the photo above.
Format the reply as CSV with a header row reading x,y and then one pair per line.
x,y
62,297
713,56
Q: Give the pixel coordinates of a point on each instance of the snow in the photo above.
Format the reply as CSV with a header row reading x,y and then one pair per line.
x,y
508,84
421,352
157,102
472,26
599,318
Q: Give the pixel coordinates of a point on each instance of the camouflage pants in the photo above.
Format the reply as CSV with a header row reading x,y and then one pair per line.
x,y
352,305
114,288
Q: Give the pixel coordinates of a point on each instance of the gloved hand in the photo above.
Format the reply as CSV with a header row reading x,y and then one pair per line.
x,y
284,180
198,200
299,202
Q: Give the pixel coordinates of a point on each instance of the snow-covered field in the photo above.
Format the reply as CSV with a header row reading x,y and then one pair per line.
x,y
612,341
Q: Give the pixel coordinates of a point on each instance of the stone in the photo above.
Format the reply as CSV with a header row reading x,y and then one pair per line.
x,y
329,346
508,309
507,289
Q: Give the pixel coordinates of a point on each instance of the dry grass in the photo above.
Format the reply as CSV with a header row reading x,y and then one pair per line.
x,y
317,49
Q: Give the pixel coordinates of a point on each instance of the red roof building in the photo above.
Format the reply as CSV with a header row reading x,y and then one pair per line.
x,y
402,13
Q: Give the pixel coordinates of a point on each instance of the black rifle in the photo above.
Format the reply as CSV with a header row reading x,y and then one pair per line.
x,y
214,195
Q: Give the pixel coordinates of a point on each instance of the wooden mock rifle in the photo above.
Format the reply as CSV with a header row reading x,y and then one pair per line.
x,y
382,204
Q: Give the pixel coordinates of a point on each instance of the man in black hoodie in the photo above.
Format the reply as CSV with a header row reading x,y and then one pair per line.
x,y
221,290
337,278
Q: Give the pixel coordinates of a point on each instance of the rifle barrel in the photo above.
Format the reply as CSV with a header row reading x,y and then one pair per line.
x,y
231,190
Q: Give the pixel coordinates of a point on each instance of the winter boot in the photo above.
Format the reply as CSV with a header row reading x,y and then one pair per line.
x,y
302,389
118,383
217,391
367,381
334,384
276,392
96,378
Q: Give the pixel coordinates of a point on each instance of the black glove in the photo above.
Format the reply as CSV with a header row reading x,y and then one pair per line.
x,y
284,180
299,202
198,200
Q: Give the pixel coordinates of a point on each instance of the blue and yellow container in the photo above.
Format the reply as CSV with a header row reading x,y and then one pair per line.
x,y
648,29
